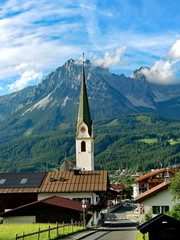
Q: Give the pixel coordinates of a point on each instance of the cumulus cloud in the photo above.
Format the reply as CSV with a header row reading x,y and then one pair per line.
x,y
161,73
24,80
174,51
164,71
111,58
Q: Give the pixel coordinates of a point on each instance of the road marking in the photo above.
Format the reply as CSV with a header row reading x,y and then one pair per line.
x,y
133,220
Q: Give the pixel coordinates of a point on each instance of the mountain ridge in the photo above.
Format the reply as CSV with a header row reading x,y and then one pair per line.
x,y
53,103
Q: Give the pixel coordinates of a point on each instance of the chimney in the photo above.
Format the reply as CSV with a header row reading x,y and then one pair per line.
x,y
76,171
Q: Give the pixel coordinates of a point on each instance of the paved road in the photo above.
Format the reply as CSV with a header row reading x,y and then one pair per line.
x,y
118,225
123,229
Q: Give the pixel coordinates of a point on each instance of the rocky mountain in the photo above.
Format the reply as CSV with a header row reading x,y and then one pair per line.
x,y
147,97
53,104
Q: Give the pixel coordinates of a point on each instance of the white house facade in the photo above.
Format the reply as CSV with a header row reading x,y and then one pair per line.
x,y
155,201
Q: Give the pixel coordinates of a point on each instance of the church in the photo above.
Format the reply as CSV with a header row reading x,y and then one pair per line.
x,y
81,184
84,132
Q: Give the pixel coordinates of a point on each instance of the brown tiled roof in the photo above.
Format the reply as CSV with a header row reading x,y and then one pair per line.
x,y
151,192
54,201
19,190
65,203
150,174
85,181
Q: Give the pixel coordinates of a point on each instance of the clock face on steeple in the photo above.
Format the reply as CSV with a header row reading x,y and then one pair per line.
x,y
83,129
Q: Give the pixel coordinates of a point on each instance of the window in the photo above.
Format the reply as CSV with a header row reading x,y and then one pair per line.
x,y
61,179
160,209
2,181
83,146
164,209
156,209
159,175
23,181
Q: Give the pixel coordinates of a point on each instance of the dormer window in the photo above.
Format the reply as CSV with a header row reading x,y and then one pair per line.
x,y
23,181
2,181
83,146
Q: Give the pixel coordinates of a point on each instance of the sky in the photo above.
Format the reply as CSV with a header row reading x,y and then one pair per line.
x,y
36,37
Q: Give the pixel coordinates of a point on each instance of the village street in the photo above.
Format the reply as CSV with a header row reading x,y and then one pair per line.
x,y
118,225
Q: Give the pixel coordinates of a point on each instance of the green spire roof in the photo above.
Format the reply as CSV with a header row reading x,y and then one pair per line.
x,y
84,112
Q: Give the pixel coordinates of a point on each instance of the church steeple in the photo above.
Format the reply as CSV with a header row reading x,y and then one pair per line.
x,y
84,130
84,112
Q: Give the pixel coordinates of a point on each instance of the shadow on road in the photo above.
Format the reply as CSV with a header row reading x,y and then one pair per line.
x,y
120,224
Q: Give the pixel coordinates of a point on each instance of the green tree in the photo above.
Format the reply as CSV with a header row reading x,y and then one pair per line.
x,y
148,216
175,187
175,212
175,191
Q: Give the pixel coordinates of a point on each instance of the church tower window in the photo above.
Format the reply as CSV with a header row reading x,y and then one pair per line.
x,y
83,146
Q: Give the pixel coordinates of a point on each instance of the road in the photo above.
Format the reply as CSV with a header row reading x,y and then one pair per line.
x,y
117,226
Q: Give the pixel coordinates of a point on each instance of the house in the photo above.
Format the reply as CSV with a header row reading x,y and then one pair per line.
x,y
119,189
17,189
92,186
161,227
50,210
155,200
151,179
77,185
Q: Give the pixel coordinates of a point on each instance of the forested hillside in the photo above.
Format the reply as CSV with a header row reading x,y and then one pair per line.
x,y
138,142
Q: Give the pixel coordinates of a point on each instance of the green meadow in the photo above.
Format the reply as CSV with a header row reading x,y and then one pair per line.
x,y
148,140
9,231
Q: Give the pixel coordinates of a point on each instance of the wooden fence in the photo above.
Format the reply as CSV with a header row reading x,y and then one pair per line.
x,y
39,232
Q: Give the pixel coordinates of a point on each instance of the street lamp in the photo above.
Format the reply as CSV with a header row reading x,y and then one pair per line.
x,y
84,208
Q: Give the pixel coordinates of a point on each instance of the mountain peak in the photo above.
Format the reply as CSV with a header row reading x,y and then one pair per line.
x,y
139,74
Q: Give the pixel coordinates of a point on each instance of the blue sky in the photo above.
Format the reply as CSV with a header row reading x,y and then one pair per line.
x,y
123,35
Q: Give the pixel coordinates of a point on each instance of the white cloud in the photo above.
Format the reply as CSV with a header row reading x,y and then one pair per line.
x,y
26,77
174,51
26,37
165,71
111,58
161,73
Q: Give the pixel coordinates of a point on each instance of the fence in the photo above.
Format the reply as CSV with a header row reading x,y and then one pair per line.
x,y
39,232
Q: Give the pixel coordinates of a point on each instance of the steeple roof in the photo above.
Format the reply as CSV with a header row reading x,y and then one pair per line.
x,y
84,112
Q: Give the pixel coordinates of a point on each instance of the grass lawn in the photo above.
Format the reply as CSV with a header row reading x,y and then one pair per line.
x,y
174,142
148,140
9,231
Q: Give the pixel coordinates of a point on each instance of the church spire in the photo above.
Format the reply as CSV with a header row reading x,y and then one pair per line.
x,y
84,112
84,131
